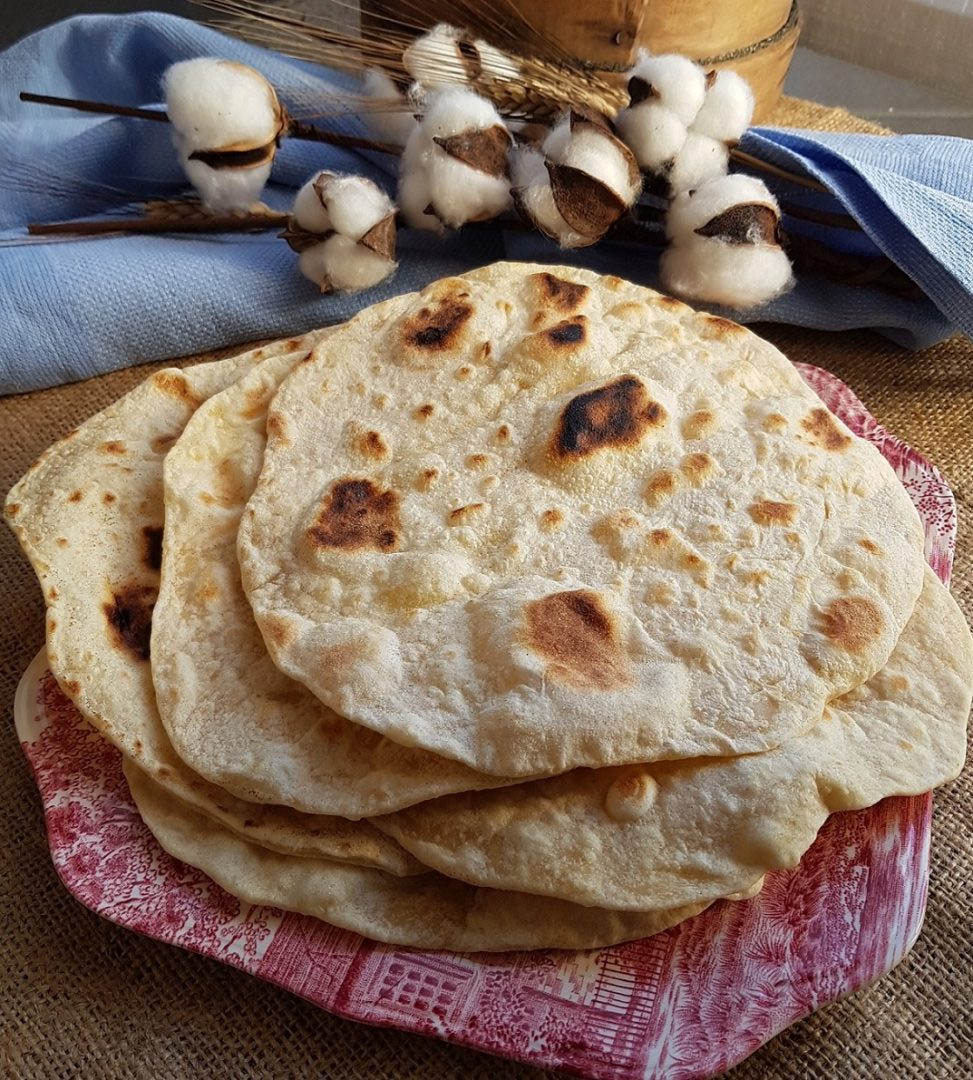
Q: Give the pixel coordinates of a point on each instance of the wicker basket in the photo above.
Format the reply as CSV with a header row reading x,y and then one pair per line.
x,y
755,39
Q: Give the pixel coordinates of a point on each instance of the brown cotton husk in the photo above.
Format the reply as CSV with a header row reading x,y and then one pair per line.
x,y
229,157
380,238
299,239
640,90
745,223
586,204
321,184
485,151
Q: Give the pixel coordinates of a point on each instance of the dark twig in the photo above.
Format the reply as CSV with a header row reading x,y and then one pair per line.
x,y
296,129
215,224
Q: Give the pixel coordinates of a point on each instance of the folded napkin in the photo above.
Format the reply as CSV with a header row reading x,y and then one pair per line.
x,y
73,308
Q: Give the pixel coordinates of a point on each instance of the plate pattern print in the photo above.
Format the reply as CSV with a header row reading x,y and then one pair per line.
x,y
682,1005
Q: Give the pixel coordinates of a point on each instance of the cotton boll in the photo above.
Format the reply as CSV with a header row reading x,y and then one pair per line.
x,y
435,58
693,210
214,104
224,190
309,211
673,81
734,275
446,56
350,205
724,247
532,188
653,133
340,263
700,159
595,151
727,108
393,121
355,204
462,194
455,161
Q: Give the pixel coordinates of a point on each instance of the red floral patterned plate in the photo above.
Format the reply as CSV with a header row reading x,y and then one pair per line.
x,y
682,1005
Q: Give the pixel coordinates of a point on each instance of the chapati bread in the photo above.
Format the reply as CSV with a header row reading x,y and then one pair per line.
x,y
663,834
533,518
89,516
427,912
231,715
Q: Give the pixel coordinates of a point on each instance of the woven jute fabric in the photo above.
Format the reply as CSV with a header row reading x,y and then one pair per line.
x,y
80,997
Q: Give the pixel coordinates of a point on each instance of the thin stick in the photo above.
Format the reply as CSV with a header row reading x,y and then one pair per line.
x,y
296,128
765,166
95,107
217,223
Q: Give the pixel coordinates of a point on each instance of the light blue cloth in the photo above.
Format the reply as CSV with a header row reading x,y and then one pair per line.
x,y
70,309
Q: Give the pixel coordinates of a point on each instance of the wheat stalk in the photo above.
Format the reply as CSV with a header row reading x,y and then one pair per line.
x,y
546,88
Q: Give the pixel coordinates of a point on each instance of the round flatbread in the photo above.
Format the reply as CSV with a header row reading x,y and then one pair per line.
x,y
426,912
663,834
89,516
230,713
533,518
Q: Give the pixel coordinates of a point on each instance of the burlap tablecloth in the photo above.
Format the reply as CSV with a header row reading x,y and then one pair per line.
x,y
82,997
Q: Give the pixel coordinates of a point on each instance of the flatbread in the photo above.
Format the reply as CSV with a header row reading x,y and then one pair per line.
x,y
89,517
426,912
662,834
231,715
533,518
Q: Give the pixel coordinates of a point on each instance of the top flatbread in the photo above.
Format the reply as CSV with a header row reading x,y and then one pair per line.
x,y
89,516
534,518
230,713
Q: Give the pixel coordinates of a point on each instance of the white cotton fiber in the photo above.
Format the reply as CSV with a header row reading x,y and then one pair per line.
x,y
530,179
392,119
356,204
556,141
223,190
461,194
415,194
434,59
689,212
497,63
350,205
734,275
700,159
727,108
598,153
652,132
340,263
309,212
215,103
527,168
679,84
453,110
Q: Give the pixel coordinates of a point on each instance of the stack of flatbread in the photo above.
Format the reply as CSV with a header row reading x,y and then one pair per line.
x,y
532,610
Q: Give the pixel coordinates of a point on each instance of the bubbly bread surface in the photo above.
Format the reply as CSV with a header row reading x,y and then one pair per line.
x,y
90,517
534,518
657,835
230,713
